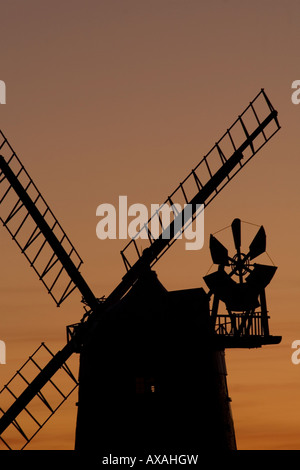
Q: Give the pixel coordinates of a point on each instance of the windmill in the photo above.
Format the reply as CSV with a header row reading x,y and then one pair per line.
x,y
139,347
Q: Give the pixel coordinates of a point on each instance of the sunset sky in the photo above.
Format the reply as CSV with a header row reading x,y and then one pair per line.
x,y
124,97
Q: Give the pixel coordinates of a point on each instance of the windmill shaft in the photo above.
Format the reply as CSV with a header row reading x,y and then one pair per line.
x,y
51,238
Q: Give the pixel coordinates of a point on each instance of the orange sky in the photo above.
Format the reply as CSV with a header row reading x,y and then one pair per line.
x,y
123,97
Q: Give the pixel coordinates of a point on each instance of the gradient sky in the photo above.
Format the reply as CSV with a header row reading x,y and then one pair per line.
x,y
123,97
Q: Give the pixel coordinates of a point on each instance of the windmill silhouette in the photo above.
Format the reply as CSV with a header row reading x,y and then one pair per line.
x,y
140,380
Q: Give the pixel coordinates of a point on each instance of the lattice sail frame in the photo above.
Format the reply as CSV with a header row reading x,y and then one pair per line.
x,y
33,417
247,135
24,231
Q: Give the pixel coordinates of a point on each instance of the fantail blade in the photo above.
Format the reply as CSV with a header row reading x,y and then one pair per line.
x,y
258,245
218,252
236,232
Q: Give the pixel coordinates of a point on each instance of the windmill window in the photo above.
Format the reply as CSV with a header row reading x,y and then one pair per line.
x,y
140,385
145,385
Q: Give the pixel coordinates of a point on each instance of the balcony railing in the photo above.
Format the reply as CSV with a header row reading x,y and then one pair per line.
x,y
241,325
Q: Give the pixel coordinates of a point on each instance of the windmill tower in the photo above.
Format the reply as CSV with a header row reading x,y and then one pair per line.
x,y
151,361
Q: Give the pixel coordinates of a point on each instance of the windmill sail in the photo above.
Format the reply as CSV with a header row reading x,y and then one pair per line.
x,y
37,232
32,419
244,138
